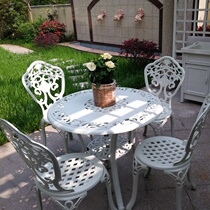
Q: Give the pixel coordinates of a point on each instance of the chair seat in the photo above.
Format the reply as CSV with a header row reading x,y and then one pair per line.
x,y
166,113
79,173
100,147
160,152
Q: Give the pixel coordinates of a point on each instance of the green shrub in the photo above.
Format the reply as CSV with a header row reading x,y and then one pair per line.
x,y
129,74
28,31
69,37
12,14
25,31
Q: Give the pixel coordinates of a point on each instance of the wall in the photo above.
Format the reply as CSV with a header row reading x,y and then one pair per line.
x,y
64,13
115,32
168,17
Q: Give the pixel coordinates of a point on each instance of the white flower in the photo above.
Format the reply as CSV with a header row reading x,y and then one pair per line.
x,y
110,64
91,66
106,56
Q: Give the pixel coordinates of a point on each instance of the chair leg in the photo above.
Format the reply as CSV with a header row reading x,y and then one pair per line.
x,y
70,135
156,130
178,177
43,132
172,124
179,189
157,127
132,139
189,177
109,191
67,137
145,131
147,173
38,198
84,149
136,170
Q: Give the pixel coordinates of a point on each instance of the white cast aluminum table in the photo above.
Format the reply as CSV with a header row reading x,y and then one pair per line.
x,y
76,113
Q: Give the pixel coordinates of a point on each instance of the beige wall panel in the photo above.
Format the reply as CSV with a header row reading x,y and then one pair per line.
x,y
64,13
115,32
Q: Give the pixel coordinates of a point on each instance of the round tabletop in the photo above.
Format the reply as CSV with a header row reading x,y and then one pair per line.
x,y
77,113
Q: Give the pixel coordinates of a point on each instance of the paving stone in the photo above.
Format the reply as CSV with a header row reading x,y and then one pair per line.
x,y
16,49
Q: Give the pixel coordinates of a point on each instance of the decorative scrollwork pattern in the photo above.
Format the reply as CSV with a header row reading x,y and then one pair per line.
x,y
165,75
45,83
133,107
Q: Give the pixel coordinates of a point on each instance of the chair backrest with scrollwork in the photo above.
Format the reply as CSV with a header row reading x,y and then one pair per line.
x,y
38,158
45,83
163,78
205,104
195,134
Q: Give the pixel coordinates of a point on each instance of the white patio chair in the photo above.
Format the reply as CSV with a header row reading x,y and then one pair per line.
x,y
163,79
65,179
171,155
46,84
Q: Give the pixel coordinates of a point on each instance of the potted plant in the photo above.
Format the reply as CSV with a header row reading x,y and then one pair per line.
x,y
101,74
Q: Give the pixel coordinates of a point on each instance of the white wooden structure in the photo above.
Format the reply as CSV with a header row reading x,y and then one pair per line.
x,y
189,15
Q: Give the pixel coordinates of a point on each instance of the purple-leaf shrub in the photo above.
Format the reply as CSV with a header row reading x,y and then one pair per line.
x,y
139,48
46,40
201,28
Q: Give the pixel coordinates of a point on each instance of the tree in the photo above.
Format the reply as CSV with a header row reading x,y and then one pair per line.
x,y
12,14
29,10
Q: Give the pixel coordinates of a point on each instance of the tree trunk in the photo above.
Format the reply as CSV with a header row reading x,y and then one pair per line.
x,y
29,11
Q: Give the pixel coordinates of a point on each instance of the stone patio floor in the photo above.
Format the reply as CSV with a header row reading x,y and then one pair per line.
x,y
154,193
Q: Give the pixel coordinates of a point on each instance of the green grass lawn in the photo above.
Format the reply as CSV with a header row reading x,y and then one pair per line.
x,y
18,107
